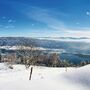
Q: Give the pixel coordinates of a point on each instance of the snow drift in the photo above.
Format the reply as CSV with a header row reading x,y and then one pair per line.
x,y
44,78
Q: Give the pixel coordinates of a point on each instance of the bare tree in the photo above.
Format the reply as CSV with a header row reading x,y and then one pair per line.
x,y
54,60
29,54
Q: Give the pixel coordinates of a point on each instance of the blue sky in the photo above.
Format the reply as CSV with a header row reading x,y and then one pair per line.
x,y
45,18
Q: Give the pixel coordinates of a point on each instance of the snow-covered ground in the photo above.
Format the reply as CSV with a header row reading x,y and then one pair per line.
x,y
44,78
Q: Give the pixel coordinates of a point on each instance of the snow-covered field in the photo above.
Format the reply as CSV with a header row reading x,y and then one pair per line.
x,y
44,78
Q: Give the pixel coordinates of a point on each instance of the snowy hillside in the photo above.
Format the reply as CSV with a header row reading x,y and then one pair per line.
x,y
44,78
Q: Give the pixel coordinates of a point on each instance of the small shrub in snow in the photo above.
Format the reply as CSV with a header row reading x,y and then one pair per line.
x,y
10,67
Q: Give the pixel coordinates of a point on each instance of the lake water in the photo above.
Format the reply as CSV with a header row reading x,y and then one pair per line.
x,y
73,58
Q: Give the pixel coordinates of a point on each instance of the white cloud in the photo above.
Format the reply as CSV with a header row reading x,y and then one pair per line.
x,y
10,20
56,25
78,33
3,17
88,13
77,23
43,16
32,24
9,26
8,23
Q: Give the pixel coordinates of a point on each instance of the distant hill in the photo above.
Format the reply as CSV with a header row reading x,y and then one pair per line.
x,y
68,46
74,51
12,41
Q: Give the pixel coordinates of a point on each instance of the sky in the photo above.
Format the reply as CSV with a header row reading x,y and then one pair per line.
x,y
45,18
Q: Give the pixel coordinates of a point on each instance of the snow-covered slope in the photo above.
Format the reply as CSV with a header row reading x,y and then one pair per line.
x,y
79,76
44,78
